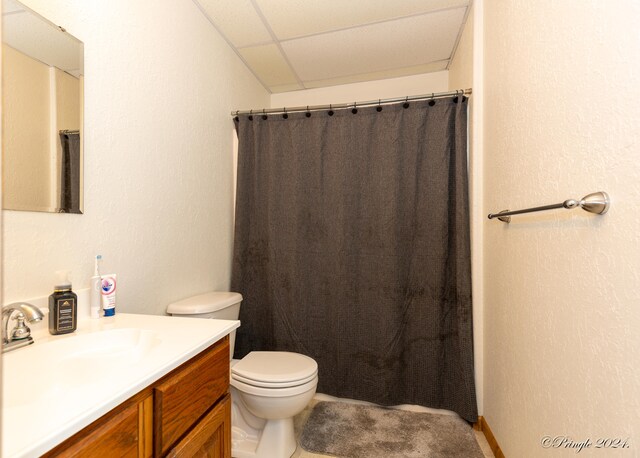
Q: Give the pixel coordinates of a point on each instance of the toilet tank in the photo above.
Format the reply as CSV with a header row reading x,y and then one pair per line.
x,y
216,305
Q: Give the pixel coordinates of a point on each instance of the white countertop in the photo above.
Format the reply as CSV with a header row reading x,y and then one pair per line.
x,y
60,384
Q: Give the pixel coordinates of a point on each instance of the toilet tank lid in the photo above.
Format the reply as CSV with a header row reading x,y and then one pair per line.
x,y
204,303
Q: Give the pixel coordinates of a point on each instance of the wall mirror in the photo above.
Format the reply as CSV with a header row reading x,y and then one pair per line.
x,y
42,100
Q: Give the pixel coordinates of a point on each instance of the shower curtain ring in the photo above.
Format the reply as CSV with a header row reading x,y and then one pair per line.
x,y
406,102
264,114
285,115
379,107
432,102
250,115
355,108
308,113
330,112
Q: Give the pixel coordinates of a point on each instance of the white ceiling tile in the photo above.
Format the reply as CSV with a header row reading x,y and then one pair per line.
x,y
393,73
269,64
338,41
237,20
295,18
9,6
285,88
375,48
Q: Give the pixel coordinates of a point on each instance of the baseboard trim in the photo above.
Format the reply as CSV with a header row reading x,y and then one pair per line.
x,y
483,426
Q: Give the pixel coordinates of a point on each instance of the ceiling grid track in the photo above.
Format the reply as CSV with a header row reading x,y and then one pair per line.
x,y
231,45
277,43
459,37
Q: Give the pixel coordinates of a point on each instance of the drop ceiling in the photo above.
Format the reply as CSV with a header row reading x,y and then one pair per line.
x,y
301,44
36,37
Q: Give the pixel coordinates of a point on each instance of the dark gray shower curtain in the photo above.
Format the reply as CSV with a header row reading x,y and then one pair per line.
x,y
70,173
352,247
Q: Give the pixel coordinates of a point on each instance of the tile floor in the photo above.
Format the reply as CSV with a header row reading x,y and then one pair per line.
x,y
301,419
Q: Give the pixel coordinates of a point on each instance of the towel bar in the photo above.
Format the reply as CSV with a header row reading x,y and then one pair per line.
x,y
597,202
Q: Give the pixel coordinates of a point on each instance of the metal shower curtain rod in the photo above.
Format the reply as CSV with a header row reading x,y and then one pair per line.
x,y
303,109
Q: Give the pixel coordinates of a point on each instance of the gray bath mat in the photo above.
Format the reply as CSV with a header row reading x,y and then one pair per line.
x,y
359,431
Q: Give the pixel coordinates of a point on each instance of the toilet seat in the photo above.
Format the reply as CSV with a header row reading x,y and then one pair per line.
x,y
274,392
264,384
274,369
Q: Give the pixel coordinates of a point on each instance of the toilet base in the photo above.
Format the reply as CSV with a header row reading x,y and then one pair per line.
x,y
276,440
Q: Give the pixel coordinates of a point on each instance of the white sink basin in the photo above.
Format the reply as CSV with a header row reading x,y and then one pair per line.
x,y
124,345
79,361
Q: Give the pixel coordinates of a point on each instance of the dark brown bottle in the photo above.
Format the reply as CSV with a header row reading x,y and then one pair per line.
x,y
63,307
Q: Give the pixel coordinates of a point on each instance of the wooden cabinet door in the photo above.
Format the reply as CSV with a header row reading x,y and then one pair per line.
x,y
211,437
187,393
127,431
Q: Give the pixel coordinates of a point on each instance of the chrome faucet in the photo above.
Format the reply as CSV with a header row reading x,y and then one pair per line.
x,y
21,334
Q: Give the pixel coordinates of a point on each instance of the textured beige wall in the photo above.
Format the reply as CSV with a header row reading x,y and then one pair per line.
x,y
26,131
461,76
67,101
159,85
369,90
562,307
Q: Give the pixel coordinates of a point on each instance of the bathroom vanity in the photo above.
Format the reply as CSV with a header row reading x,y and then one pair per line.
x,y
184,413
138,386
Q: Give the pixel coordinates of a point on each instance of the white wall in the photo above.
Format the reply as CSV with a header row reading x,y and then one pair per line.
x,y
370,90
1,213
67,101
461,66
159,86
562,308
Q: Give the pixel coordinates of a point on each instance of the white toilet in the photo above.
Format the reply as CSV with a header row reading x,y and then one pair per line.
x,y
268,388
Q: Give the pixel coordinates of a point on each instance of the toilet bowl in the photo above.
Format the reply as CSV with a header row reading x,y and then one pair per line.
x,y
272,388
268,388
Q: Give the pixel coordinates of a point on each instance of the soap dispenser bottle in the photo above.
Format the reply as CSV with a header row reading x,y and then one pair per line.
x,y
63,306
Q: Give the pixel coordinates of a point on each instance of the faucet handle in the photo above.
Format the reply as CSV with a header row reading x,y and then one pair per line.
x,y
20,336
21,331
